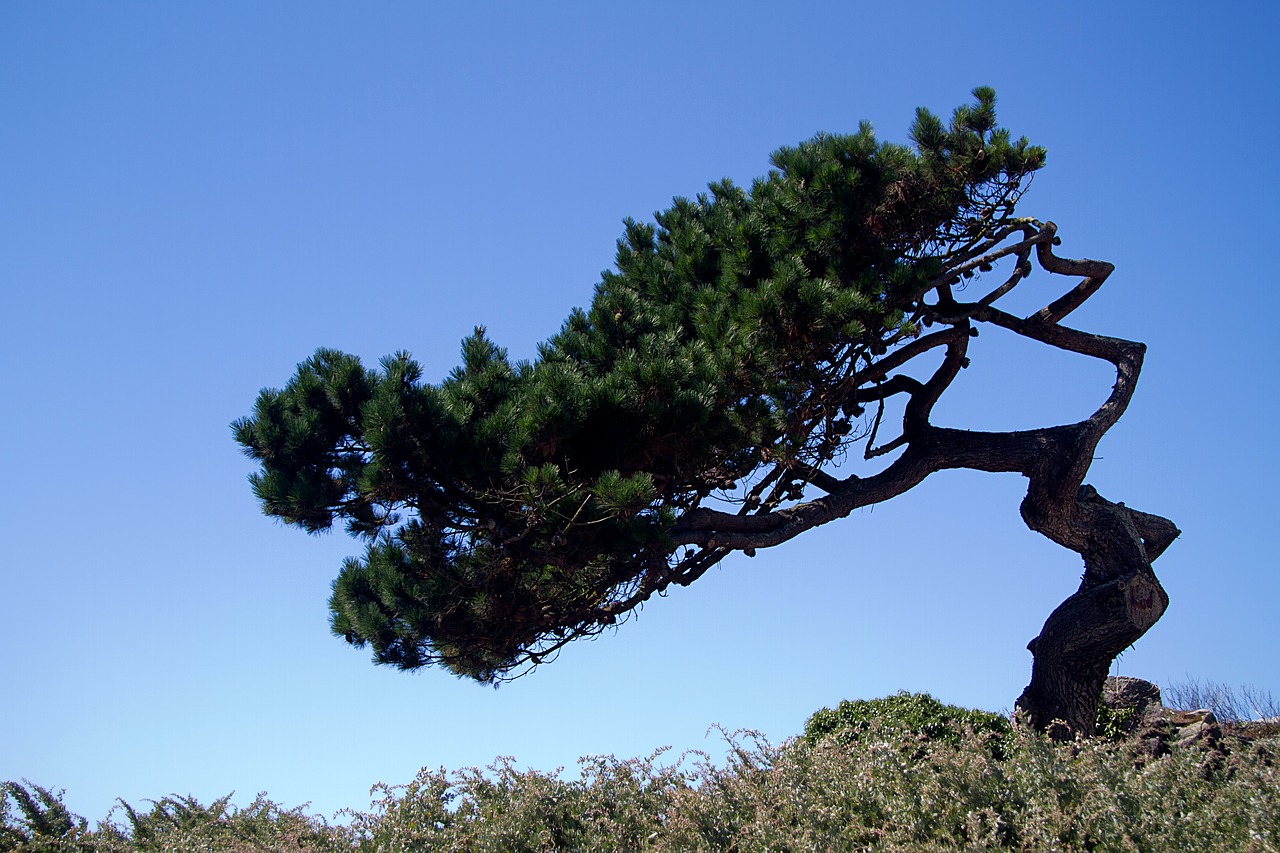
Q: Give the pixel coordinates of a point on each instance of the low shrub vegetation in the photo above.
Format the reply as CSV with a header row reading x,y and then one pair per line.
x,y
904,773
903,714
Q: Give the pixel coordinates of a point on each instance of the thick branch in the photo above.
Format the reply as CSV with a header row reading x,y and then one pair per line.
x,y
933,449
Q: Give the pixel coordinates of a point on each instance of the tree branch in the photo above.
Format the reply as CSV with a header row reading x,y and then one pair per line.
x,y
1054,459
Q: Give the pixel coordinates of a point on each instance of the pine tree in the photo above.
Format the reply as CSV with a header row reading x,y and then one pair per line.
x,y
746,341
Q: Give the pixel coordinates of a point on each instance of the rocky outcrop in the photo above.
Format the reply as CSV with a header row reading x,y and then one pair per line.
x,y
1155,728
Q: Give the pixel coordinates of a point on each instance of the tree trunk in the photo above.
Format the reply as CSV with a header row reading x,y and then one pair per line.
x,y
1074,651
1118,600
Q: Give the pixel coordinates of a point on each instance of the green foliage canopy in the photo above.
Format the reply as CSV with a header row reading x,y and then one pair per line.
x,y
516,506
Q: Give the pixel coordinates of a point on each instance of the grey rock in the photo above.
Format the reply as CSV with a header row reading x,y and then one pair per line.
x,y
1187,734
1142,696
1186,718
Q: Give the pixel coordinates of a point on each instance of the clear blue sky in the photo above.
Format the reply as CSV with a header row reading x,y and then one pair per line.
x,y
194,196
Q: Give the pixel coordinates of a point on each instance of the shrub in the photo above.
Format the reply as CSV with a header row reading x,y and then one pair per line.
x,y
616,804
903,713
45,823
1114,724
904,773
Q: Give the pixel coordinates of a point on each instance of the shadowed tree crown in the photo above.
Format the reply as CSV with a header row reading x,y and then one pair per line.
x,y
745,342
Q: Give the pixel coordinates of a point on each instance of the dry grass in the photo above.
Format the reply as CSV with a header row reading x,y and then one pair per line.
x,y
1228,703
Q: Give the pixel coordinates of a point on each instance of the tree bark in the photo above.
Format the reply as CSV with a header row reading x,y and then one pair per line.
x,y
1118,600
1076,646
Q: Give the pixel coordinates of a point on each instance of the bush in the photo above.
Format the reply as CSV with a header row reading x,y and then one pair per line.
x,y
182,823
616,804
903,713
904,773
45,823
1114,724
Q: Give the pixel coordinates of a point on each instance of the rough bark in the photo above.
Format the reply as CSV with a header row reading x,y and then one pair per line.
x,y
1118,600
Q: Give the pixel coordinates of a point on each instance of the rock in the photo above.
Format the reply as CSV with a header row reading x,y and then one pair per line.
x,y
1187,718
1188,735
1268,727
1140,695
1153,739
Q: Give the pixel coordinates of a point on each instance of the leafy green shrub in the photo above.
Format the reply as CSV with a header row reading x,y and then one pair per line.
x,y
182,823
903,713
45,823
616,804
1114,724
923,777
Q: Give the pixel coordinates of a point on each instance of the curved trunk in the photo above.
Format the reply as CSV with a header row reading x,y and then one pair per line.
x,y
1074,651
1118,600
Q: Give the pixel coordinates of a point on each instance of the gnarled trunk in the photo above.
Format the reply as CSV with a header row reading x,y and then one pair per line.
x,y
1118,600
1074,650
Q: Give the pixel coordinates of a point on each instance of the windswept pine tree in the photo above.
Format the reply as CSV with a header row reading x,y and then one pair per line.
x,y
747,341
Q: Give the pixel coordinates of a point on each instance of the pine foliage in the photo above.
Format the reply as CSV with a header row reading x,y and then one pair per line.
x,y
515,506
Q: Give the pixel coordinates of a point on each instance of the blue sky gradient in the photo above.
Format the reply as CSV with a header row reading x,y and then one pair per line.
x,y
194,196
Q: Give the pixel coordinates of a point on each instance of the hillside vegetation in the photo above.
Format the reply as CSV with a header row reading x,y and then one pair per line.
x,y
901,773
